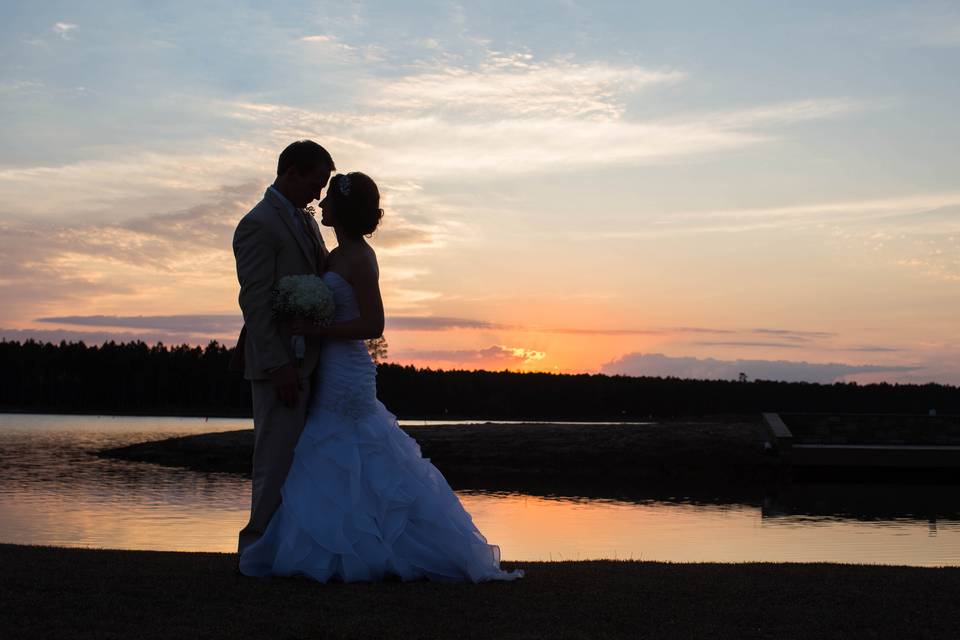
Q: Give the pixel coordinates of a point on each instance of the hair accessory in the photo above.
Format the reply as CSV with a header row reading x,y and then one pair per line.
x,y
343,183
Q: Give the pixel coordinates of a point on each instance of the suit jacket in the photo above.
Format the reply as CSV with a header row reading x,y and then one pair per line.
x,y
268,246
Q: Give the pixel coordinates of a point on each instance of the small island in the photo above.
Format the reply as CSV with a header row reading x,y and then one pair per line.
x,y
719,459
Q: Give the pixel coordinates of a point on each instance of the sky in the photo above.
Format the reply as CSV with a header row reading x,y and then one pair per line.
x,y
695,189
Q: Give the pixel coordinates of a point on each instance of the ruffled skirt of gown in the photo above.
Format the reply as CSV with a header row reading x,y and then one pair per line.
x,y
360,503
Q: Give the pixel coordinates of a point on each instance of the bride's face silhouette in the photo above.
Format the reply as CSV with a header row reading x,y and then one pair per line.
x,y
327,212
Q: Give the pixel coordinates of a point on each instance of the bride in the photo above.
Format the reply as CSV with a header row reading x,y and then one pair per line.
x,y
359,502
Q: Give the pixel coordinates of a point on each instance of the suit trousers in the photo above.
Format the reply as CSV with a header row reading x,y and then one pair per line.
x,y
276,430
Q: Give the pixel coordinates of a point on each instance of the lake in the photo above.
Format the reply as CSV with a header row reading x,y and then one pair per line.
x,y
53,491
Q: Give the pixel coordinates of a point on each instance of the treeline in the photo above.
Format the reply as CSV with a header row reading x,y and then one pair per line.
x,y
135,378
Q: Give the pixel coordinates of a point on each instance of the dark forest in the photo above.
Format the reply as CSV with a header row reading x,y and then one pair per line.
x,y
139,379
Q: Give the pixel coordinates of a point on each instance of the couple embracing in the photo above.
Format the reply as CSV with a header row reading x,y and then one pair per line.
x,y
339,491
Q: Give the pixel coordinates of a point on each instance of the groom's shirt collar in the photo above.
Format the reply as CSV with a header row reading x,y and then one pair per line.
x,y
292,210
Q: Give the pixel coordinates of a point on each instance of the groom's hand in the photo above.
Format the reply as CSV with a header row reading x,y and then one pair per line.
x,y
287,383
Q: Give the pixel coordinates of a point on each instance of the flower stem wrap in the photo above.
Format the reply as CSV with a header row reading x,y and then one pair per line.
x,y
305,296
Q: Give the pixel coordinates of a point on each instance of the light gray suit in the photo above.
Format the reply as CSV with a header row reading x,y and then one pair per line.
x,y
269,245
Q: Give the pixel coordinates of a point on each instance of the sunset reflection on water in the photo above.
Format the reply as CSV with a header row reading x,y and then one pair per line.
x,y
54,492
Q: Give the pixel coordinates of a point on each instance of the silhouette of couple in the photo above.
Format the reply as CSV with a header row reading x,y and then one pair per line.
x,y
339,491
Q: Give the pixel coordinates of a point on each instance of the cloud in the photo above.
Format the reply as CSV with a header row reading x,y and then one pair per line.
x,y
199,323
800,344
519,86
734,343
920,232
491,356
428,144
109,251
639,331
517,115
63,29
90,188
440,323
786,339
894,210
925,240
13,87
191,324
146,259
436,323
785,113
194,323
658,364
330,45
792,334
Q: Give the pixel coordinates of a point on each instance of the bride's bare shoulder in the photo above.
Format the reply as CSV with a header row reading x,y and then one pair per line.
x,y
355,260
365,259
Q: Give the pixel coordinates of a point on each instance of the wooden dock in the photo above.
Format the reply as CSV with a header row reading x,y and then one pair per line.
x,y
866,440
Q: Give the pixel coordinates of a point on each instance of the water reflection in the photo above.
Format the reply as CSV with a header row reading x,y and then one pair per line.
x,y
873,502
54,491
544,529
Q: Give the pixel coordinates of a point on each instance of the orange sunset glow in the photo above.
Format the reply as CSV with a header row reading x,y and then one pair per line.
x,y
642,202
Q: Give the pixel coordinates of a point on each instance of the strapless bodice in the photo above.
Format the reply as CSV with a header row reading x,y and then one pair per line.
x,y
346,381
343,296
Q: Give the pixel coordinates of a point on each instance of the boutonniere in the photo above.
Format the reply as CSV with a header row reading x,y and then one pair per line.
x,y
309,209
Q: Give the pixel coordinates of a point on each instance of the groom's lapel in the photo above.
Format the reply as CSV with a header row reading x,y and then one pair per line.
x,y
321,247
298,234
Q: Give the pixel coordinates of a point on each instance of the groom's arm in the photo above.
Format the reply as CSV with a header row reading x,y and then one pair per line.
x,y
256,265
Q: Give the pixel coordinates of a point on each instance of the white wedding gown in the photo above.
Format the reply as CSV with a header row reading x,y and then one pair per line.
x,y
359,502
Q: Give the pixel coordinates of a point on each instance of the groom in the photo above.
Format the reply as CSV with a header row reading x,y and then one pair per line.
x,y
277,238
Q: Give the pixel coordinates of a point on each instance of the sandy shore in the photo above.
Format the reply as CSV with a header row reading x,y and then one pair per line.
x,y
71,593
720,459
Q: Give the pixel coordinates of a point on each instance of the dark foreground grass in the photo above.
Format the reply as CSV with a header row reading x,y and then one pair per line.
x,y
73,593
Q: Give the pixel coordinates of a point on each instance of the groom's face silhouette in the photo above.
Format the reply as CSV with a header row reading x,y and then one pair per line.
x,y
303,188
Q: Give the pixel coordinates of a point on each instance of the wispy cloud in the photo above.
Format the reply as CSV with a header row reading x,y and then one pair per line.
x,y
508,115
331,45
146,261
792,334
519,86
496,355
90,187
318,38
196,324
436,323
745,343
891,209
426,144
64,29
190,324
11,87
517,115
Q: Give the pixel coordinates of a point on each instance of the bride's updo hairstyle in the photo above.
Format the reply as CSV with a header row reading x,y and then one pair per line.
x,y
357,202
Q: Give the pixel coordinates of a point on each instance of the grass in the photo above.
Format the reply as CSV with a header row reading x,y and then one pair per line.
x,y
78,593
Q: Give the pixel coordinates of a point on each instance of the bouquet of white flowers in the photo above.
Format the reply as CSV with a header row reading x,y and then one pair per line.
x,y
307,296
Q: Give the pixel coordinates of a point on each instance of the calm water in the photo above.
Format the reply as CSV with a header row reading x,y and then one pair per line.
x,y
53,491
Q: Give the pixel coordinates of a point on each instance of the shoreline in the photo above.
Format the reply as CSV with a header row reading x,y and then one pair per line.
x,y
126,414
246,415
82,593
